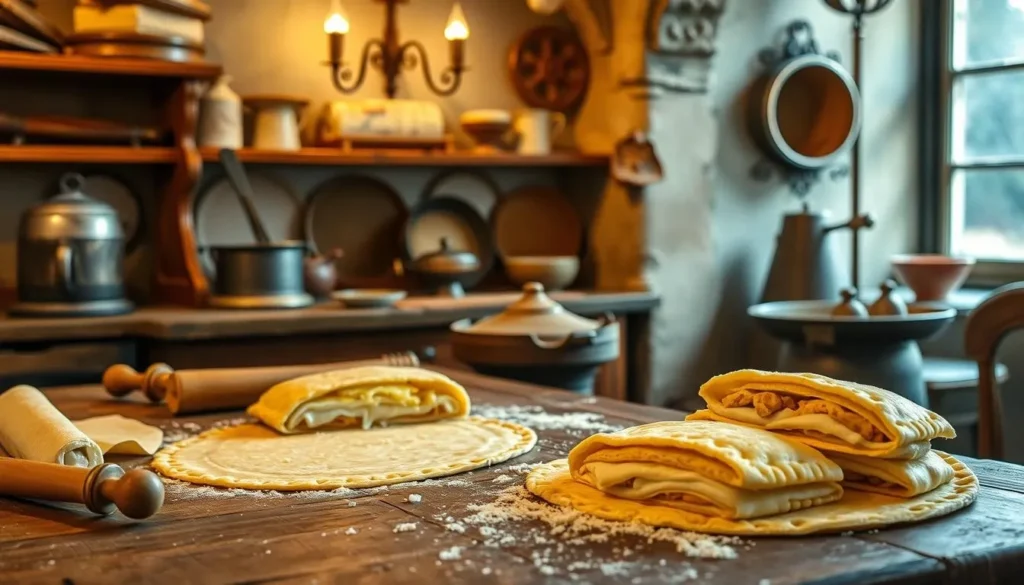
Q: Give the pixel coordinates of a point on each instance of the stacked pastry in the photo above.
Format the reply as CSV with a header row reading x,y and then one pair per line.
x,y
881,440
712,469
361,397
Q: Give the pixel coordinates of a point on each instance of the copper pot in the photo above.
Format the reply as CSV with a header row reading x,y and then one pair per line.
x,y
806,112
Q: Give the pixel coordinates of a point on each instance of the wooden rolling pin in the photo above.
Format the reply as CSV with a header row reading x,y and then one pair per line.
x,y
204,390
138,493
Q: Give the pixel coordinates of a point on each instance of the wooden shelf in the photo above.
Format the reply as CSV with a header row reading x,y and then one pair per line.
x,y
336,157
106,65
86,154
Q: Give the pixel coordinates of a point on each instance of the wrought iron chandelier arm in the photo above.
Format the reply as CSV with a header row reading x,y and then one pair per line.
x,y
342,73
450,77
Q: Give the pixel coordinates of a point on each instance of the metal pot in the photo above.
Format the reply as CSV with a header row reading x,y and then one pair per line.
x,y
536,340
259,276
447,270
805,112
71,256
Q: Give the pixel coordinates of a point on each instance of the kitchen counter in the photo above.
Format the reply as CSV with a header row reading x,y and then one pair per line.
x,y
182,323
208,536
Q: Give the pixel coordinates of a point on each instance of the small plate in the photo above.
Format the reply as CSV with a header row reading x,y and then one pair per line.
x,y
368,298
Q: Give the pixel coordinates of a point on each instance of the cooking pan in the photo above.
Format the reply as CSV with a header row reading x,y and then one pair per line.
x,y
805,112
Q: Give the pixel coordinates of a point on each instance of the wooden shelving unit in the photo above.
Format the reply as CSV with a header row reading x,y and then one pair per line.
x,y
106,66
87,154
337,157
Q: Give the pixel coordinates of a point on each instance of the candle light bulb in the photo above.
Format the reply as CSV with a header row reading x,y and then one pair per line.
x,y
457,27
336,22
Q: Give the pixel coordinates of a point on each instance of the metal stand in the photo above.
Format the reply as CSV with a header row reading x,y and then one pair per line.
x,y
857,8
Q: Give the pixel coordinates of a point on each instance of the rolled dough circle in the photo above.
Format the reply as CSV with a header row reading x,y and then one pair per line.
x,y
253,456
856,511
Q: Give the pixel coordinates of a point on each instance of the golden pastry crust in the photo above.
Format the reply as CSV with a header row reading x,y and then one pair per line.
x,y
857,510
903,479
896,427
277,405
734,455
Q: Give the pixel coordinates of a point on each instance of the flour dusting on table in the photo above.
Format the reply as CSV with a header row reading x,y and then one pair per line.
x,y
539,419
565,526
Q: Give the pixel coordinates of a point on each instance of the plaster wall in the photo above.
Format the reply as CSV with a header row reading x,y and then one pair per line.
x,y
711,226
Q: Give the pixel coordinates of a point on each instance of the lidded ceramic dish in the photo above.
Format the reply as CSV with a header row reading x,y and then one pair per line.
x,y
537,340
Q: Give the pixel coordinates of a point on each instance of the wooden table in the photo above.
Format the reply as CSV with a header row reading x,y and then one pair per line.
x,y
289,539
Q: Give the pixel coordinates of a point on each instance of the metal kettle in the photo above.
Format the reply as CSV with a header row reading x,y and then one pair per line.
x,y
71,255
805,266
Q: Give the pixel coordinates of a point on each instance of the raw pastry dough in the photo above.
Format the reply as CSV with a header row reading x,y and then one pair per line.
x,y
827,414
709,468
903,479
856,511
117,435
32,428
253,456
361,397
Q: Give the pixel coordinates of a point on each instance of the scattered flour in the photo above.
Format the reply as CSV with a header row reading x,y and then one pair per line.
x,y
450,554
456,527
503,479
414,498
351,530
576,528
178,431
538,419
405,527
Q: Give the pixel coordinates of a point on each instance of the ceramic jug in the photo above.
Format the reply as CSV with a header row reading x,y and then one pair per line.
x,y
537,129
220,117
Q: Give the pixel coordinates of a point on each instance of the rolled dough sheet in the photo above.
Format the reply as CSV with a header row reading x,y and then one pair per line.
x,y
118,435
857,510
253,456
32,428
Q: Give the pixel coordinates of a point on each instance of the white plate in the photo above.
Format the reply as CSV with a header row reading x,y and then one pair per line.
x,y
367,298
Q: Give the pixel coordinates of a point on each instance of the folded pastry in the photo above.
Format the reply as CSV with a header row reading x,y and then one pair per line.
x,y
360,397
893,477
709,468
827,414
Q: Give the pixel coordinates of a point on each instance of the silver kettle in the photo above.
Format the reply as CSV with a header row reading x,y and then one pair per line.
x,y
71,255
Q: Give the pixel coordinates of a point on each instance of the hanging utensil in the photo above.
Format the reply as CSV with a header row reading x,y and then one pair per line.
x,y
238,179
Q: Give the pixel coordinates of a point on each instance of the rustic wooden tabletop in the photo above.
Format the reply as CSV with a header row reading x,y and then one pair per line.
x,y
453,532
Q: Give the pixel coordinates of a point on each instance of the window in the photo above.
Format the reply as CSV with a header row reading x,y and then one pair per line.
x,y
983,111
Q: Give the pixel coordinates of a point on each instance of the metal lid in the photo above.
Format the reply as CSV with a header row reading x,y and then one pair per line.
x,y
72,201
72,214
534,314
446,260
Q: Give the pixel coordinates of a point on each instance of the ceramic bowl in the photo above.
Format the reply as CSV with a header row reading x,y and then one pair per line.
x,y
487,128
932,277
554,272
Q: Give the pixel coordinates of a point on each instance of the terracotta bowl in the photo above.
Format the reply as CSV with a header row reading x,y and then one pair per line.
x,y
554,272
932,277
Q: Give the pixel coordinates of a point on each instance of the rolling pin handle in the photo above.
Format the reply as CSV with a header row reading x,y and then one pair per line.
x,y
121,380
138,494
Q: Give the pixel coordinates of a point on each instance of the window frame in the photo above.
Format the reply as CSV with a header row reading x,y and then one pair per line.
x,y
937,79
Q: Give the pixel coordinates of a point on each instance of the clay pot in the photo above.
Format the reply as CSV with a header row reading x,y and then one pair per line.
x,y
319,273
932,277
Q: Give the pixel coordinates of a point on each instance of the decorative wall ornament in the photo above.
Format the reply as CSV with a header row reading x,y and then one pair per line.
x,y
684,28
635,162
549,68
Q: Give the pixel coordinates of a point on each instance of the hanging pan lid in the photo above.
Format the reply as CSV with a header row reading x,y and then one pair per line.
x,y
534,314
